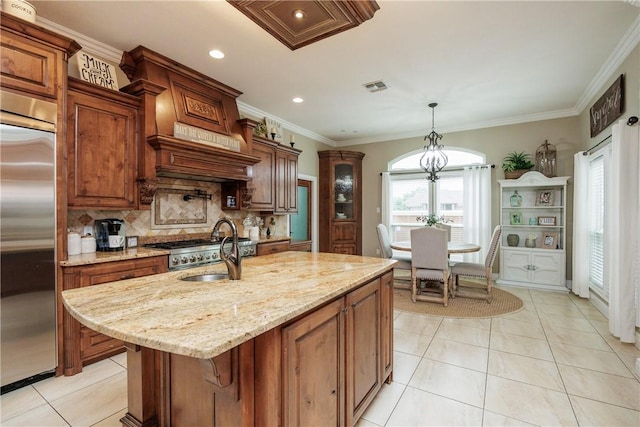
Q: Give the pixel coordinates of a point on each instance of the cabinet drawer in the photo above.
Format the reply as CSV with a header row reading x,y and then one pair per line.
x,y
111,272
272,248
93,343
347,249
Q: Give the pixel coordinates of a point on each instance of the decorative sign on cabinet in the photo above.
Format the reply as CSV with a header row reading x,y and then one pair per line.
x,y
533,218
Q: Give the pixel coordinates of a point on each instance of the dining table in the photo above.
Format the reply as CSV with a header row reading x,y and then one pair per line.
x,y
452,247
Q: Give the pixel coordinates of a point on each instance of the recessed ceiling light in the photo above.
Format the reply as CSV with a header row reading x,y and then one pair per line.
x,y
217,54
298,100
298,14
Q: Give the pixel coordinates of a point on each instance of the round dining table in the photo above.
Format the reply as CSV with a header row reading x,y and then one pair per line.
x,y
452,247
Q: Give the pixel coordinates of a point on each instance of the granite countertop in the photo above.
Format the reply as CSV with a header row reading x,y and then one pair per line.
x,y
98,257
205,319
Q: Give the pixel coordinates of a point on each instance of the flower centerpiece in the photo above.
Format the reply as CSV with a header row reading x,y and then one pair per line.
x,y
431,219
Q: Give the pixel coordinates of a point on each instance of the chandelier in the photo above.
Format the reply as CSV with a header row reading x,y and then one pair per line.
x,y
433,160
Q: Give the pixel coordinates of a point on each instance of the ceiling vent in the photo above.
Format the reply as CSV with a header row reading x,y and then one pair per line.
x,y
375,86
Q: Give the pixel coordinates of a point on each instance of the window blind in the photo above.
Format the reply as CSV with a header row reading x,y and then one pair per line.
x,y
596,222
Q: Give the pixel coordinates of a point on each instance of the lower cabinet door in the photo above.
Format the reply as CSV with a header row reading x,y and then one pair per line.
x,y
363,348
313,371
515,266
386,323
548,268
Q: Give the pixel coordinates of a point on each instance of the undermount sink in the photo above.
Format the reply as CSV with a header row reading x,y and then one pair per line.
x,y
205,277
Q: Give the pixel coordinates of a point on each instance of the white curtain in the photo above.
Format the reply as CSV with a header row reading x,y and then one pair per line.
x,y
621,230
386,202
580,274
477,220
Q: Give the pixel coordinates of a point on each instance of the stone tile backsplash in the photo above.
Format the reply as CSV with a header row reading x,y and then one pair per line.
x,y
175,216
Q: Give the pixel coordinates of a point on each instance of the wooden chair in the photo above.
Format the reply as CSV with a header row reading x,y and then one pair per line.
x,y
403,258
477,271
429,263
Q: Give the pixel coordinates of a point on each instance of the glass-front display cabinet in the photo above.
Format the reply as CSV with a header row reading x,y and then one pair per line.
x,y
340,198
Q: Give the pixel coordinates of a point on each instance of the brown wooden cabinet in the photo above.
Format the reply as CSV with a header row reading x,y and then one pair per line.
x,y
80,344
336,358
386,329
267,248
34,59
274,180
101,147
286,181
263,179
313,354
340,199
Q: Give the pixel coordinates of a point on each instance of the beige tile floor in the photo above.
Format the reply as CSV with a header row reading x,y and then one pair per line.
x,y
551,364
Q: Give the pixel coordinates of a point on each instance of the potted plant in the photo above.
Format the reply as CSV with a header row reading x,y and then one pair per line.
x,y
516,164
431,219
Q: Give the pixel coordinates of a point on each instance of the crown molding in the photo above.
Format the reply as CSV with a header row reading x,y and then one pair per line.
x,y
88,44
550,115
606,72
255,112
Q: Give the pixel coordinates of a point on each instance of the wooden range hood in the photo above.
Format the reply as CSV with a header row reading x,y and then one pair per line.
x,y
185,96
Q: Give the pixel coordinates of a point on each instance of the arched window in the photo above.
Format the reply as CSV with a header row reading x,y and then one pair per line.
x,y
410,196
457,157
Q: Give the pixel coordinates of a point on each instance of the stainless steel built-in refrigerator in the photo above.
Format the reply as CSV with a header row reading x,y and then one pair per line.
x,y
27,240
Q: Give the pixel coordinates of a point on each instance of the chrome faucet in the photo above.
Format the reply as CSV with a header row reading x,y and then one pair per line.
x,y
232,259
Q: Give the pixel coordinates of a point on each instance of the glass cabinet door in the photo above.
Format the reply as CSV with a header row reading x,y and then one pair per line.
x,y
343,191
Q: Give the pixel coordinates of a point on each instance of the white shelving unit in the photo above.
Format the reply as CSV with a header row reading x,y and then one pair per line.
x,y
541,213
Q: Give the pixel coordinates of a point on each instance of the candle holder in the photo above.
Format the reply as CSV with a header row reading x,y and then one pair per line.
x,y
273,136
292,144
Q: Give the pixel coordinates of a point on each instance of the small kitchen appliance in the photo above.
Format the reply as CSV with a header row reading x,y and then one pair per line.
x,y
110,235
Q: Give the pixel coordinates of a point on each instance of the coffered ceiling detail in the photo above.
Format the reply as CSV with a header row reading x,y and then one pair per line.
x,y
316,19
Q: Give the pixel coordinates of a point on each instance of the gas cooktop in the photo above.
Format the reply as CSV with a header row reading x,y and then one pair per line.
x,y
199,252
190,243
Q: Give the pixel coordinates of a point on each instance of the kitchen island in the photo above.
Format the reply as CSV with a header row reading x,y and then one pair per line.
x,y
303,338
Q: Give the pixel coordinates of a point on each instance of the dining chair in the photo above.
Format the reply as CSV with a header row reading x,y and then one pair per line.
x,y
429,264
446,227
403,258
477,271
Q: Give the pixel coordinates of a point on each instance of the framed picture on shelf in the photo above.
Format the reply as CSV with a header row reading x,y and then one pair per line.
x,y
550,240
544,198
547,220
516,218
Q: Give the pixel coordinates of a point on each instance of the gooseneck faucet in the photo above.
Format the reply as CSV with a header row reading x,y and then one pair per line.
x,y
232,259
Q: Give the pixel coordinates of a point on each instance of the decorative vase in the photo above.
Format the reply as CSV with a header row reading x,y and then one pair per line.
x,y
513,240
530,243
515,200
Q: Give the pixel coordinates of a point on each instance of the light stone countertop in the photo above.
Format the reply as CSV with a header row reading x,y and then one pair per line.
x,y
99,257
205,319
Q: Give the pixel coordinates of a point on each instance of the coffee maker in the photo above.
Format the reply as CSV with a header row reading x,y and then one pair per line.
x,y
110,235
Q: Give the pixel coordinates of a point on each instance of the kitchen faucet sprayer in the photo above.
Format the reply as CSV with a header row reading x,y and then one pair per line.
x,y
232,259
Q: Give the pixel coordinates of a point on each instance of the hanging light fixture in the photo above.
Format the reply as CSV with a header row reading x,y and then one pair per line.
x,y
433,160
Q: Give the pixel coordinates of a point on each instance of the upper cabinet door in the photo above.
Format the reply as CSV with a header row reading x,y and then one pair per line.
x,y
286,182
33,64
101,147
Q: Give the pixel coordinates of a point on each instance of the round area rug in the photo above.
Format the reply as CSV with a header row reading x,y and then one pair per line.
x,y
502,303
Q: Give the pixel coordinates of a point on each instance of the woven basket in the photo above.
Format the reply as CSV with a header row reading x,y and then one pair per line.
x,y
515,174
